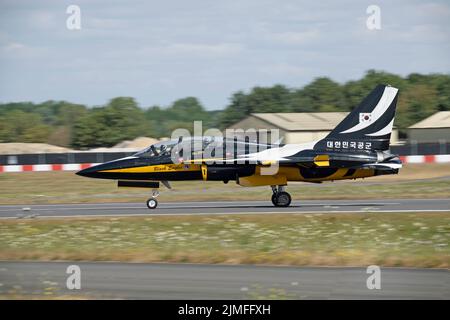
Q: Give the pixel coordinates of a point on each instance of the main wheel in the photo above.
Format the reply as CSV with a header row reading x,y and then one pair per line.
x,y
281,199
274,199
152,203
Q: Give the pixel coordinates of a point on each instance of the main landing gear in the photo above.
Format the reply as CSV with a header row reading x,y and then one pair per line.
x,y
280,198
152,203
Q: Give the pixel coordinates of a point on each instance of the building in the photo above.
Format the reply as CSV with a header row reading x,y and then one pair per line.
x,y
435,128
297,127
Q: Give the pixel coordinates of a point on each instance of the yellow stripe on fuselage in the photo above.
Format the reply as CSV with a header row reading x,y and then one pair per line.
x,y
158,168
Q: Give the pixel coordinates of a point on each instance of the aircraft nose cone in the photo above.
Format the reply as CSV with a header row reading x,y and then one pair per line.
x,y
88,172
102,170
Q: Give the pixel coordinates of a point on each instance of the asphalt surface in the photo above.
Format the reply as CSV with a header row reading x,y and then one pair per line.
x,y
236,207
190,281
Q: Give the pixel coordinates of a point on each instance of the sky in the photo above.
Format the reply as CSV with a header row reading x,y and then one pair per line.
x,y
161,51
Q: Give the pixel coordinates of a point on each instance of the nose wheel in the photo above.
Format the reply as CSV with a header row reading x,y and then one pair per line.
x,y
280,198
152,203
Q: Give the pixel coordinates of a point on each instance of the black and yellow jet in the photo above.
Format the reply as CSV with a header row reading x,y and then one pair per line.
x,y
357,148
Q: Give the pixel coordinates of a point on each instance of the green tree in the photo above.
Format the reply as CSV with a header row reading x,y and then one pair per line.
x,y
20,126
180,114
259,100
417,102
121,119
64,123
322,94
187,109
355,91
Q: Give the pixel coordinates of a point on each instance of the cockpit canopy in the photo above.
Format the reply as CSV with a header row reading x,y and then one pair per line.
x,y
160,148
197,144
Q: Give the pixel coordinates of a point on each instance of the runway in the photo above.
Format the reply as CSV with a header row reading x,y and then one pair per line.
x,y
224,207
190,281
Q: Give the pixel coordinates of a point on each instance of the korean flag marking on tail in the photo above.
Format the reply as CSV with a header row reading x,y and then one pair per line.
x,y
365,118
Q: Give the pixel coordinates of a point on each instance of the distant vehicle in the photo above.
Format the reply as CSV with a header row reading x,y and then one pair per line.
x,y
357,148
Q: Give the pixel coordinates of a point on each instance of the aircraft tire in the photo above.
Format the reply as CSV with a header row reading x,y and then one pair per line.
x,y
274,200
281,199
152,203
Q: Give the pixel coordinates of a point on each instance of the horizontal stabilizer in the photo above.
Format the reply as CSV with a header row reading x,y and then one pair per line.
x,y
381,166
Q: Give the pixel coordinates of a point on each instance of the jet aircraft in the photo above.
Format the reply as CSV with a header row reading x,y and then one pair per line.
x,y
358,147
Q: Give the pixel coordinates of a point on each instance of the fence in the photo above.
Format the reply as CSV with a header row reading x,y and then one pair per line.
x,y
61,158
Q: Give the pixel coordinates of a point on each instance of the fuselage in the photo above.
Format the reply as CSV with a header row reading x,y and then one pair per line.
x,y
246,163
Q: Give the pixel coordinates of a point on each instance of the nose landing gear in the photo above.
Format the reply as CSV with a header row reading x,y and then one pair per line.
x,y
152,203
280,198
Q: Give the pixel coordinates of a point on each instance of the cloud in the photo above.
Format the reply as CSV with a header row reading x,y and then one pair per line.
x,y
14,46
16,51
160,51
219,49
42,19
439,10
283,69
187,50
295,38
107,23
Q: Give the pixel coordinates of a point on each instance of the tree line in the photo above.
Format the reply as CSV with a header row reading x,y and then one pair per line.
x,y
78,126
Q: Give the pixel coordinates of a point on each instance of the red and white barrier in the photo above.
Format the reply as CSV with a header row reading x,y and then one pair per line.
x,y
46,167
439,158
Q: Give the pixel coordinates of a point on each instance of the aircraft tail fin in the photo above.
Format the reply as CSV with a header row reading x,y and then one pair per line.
x,y
368,127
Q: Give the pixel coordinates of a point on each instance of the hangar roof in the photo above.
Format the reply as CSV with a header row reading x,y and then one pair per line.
x,y
438,120
303,121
